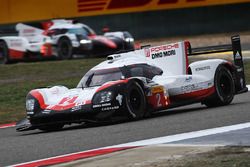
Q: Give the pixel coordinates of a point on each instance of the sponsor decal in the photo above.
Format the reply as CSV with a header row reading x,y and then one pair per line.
x,y
237,56
203,68
163,54
117,56
110,108
107,5
81,103
164,47
190,88
85,6
159,99
29,30
162,51
16,43
78,107
157,89
188,79
101,105
241,82
119,99
46,111
79,8
147,52
106,106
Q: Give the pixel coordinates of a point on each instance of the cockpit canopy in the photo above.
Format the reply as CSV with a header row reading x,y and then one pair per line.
x,y
71,29
99,77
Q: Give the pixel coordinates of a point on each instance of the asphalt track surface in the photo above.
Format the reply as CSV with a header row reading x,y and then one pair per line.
x,y
16,147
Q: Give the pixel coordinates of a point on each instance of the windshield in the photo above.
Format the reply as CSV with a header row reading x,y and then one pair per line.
x,y
99,77
78,31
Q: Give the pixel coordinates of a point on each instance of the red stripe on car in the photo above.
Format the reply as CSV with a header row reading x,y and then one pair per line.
x,y
16,54
111,84
195,95
106,41
39,97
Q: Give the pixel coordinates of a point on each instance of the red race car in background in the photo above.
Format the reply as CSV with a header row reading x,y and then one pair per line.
x,y
61,39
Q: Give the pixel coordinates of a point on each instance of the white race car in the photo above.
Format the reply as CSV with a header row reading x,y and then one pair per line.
x,y
61,39
137,84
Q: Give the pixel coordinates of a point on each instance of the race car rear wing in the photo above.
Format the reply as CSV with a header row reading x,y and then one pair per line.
x,y
235,47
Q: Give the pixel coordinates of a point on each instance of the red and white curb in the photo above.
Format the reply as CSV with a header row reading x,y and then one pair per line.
x,y
120,147
3,126
71,157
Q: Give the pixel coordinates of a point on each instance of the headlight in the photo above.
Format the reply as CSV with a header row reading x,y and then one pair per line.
x,y
103,97
30,104
85,41
129,39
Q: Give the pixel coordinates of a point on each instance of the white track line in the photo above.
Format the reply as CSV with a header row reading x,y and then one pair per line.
x,y
248,86
154,141
184,136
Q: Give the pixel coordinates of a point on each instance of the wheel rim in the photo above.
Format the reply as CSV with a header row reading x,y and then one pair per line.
x,y
1,54
3,58
135,100
225,86
64,49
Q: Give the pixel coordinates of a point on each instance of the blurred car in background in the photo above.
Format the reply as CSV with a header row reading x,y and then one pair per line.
x,y
61,39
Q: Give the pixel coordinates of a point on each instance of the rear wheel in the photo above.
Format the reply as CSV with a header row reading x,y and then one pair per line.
x,y
129,43
135,101
4,53
64,48
224,88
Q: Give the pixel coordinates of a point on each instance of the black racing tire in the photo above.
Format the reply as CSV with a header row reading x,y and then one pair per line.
x,y
64,48
50,128
224,88
129,47
4,50
135,101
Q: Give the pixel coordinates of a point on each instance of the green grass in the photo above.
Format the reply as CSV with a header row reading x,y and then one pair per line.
x,y
16,80
220,157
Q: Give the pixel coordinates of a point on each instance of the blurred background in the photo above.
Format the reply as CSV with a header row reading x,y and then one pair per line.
x,y
143,18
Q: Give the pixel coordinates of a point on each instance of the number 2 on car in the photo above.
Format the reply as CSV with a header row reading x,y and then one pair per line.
x,y
158,99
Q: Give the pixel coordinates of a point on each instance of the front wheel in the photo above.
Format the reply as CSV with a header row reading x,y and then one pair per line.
x,y
64,48
135,101
224,88
4,53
